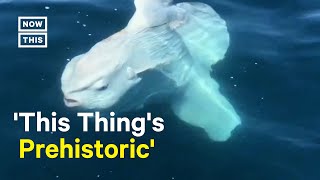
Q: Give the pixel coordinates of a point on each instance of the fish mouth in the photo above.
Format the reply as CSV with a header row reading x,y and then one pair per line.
x,y
71,102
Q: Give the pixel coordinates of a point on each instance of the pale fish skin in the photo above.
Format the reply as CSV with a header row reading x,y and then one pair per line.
x,y
165,53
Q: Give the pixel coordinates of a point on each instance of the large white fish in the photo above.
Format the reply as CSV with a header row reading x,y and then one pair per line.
x,y
164,54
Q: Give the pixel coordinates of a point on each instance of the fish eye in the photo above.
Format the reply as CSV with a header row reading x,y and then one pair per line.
x,y
103,87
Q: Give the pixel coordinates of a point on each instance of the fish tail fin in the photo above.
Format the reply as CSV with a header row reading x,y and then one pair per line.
x,y
204,33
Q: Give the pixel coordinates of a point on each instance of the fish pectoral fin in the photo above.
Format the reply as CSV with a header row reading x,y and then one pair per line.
x,y
131,74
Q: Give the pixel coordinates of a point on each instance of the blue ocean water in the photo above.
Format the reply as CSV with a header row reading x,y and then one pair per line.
x,y
270,74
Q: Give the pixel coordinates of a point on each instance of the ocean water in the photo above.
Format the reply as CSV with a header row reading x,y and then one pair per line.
x,y
271,76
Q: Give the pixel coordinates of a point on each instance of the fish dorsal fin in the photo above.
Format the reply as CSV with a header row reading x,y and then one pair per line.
x,y
146,4
149,13
202,30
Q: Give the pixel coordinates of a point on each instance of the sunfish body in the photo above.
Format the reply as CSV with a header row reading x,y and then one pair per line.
x,y
166,50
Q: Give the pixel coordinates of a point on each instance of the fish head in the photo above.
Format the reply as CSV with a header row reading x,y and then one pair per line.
x,y
91,81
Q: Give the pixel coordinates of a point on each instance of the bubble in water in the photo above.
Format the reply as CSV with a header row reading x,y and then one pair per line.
x,y
47,7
